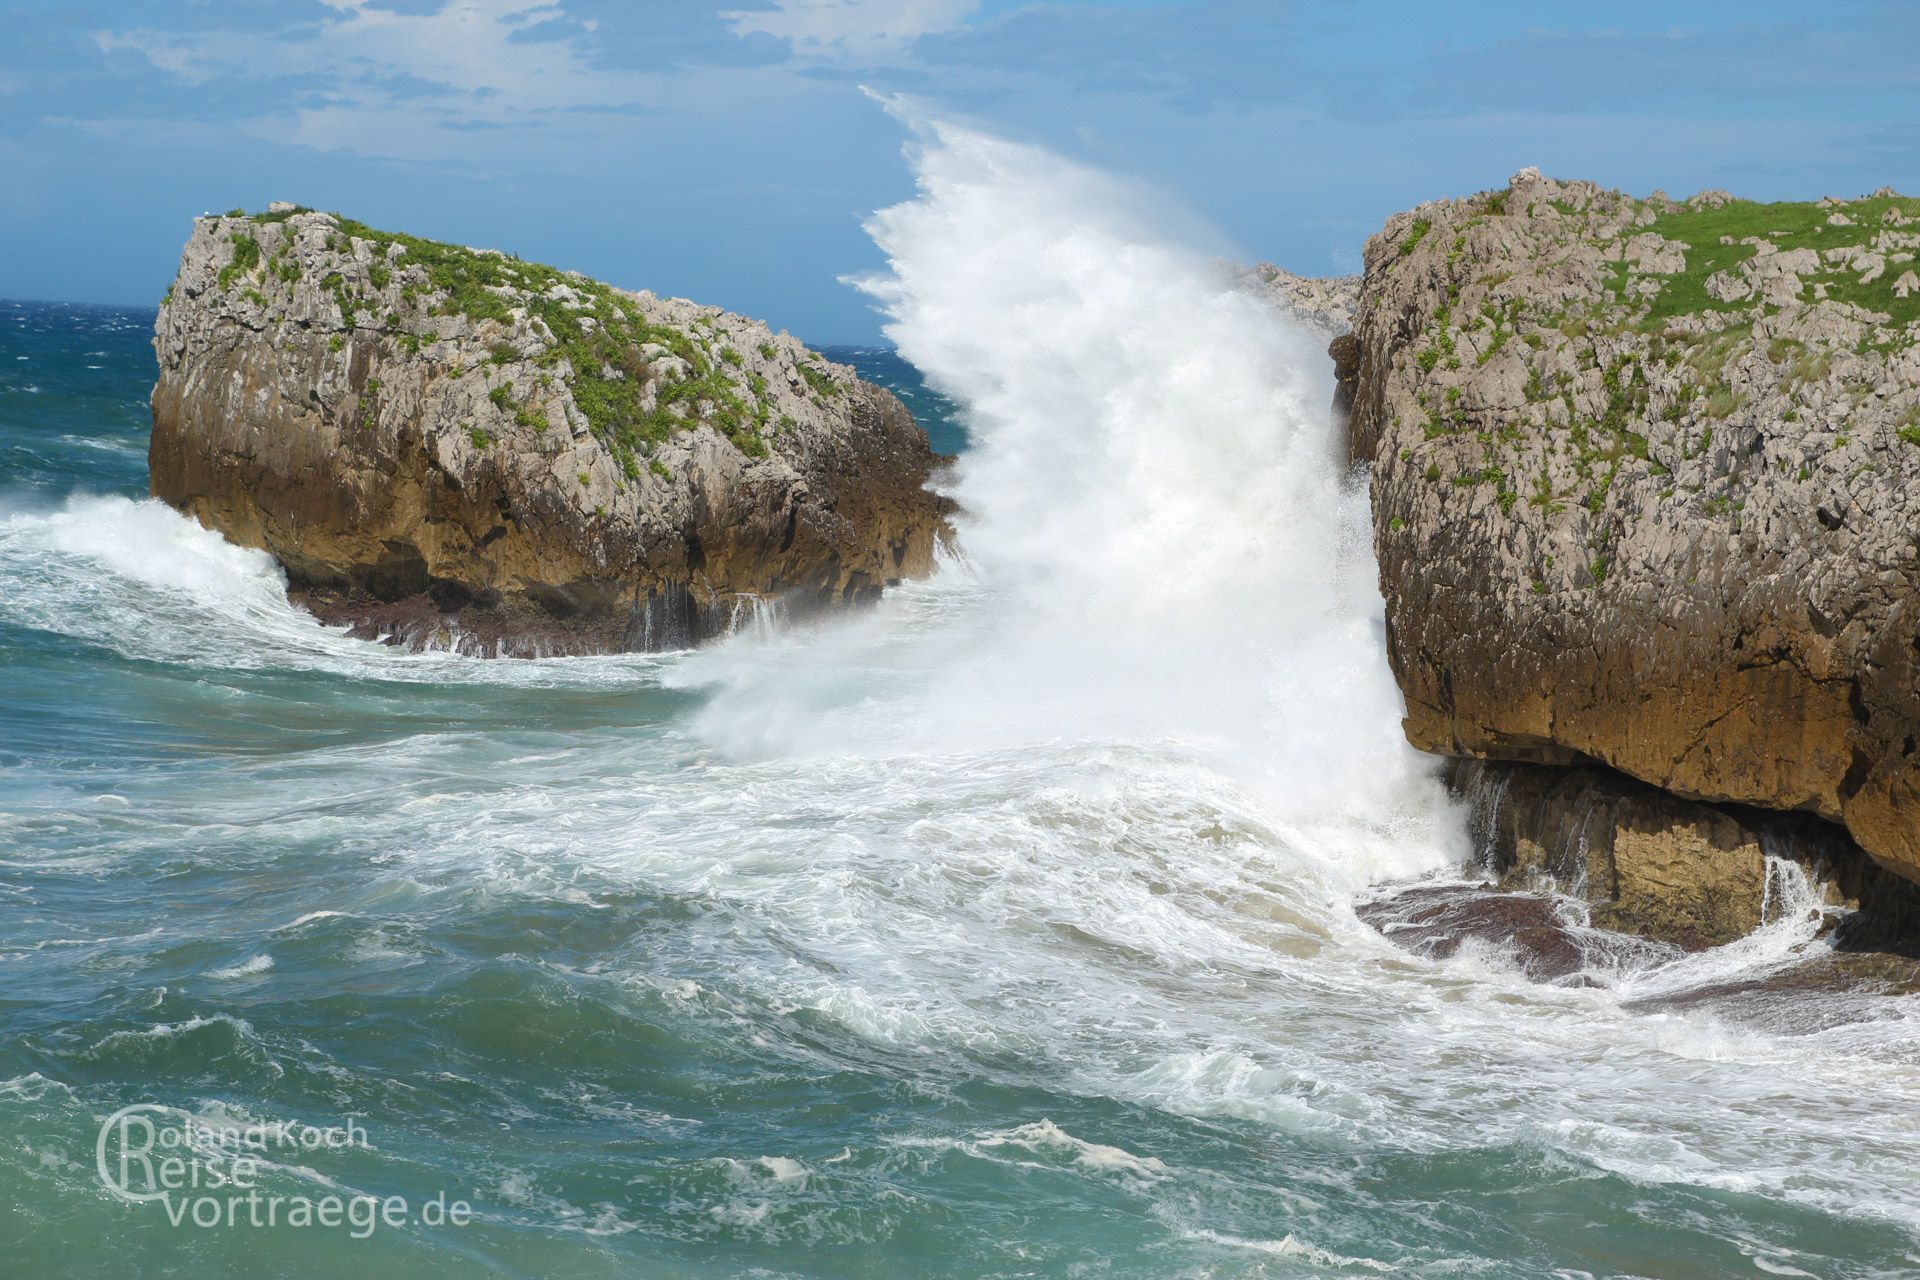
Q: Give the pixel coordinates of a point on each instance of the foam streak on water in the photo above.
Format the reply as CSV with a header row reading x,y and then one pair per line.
x,y
1003,929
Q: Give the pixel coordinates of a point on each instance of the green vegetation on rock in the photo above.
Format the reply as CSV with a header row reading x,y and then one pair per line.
x,y
597,340
1419,232
822,385
1599,354
246,256
1715,240
605,363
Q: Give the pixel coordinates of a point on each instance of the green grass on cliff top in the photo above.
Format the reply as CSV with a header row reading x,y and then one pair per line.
x,y
1791,225
607,358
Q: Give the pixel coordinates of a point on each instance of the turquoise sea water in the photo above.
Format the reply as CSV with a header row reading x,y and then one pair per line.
x,y
709,965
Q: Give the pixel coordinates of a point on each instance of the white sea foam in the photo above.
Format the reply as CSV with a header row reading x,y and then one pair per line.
x,y
1290,1247
1088,807
1160,544
1139,745
252,967
150,583
782,1170
160,1032
1045,1135
312,916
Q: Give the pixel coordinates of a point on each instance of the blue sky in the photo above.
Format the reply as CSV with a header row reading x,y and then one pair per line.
x,y
725,152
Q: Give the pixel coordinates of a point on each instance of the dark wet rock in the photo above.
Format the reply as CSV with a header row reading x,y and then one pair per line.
x,y
1540,935
1344,351
1680,871
1437,920
1825,989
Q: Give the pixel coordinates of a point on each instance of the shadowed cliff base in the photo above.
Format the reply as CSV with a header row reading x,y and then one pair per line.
x,y
1679,871
1594,879
1797,985
672,618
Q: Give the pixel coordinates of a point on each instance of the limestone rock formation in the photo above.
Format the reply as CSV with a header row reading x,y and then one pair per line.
x,y
1677,871
452,447
1324,303
1647,491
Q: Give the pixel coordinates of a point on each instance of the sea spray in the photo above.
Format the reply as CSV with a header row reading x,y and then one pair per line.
x,y
1160,541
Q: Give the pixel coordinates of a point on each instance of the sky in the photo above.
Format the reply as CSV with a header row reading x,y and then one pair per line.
x,y
726,152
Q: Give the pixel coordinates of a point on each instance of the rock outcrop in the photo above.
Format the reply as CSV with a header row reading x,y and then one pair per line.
x,y
1323,303
1646,482
452,447
1651,864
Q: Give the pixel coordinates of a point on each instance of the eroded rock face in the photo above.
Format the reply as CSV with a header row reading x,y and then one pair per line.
x,y
1646,483
1676,871
1323,303
447,446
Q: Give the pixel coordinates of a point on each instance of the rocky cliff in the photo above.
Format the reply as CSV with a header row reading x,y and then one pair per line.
x,y
1647,492
452,447
1323,303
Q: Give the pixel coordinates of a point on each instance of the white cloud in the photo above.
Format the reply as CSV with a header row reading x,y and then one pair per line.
x,y
163,51
854,30
464,53
409,85
481,82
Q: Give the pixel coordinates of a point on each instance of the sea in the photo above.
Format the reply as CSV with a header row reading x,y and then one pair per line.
x,y
1006,929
